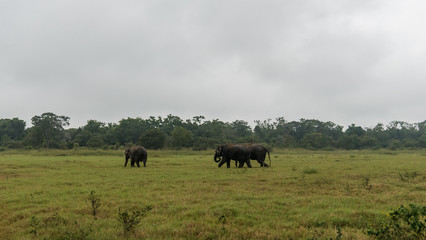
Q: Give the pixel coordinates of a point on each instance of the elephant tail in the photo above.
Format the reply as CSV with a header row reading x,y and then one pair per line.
x,y
270,163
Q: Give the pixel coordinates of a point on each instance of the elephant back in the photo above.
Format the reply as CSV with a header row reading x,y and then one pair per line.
x,y
236,151
140,151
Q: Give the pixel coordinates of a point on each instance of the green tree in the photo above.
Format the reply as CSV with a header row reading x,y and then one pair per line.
x,y
350,142
153,139
379,133
95,141
91,129
13,128
109,135
314,141
211,130
130,130
203,143
265,131
49,127
242,130
5,140
369,142
181,137
169,123
422,141
354,130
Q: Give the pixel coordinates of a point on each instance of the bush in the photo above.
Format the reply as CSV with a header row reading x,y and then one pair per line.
x,y
95,203
57,227
15,144
404,223
129,221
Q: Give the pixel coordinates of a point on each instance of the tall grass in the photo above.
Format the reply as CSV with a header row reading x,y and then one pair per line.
x,y
306,194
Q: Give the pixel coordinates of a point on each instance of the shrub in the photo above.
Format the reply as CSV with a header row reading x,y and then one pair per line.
x,y
35,226
129,221
403,223
15,144
407,176
95,203
57,227
366,183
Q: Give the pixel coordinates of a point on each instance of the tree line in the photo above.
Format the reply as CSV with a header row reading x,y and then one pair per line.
x,y
49,131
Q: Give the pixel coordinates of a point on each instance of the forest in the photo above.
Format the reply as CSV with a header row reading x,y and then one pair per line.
x,y
49,130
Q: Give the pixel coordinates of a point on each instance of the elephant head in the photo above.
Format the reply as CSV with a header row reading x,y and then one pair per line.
x,y
127,154
218,153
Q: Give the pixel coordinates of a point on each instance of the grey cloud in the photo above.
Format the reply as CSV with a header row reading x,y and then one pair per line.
x,y
346,61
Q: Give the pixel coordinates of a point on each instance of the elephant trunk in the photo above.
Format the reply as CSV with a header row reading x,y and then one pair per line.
x,y
217,158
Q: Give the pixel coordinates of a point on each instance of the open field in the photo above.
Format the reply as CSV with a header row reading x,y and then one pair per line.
x,y
304,195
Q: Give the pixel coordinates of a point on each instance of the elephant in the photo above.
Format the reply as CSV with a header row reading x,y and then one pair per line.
x,y
228,152
136,154
258,152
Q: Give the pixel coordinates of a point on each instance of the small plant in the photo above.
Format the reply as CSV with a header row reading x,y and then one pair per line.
x,y
76,231
95,203
366,183
223,220
348,189
310,171
129,221
57,227
317,234
403,223
407,176
339,233
55,220
35,226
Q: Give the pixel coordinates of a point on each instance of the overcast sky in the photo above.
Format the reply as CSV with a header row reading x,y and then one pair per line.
x,y
345,61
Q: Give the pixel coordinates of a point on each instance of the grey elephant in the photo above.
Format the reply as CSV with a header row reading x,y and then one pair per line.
x,y
228,152
136,154
258,152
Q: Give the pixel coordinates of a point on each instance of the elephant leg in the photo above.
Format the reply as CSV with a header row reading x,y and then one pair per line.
x,y
248,163
222,162
137,163
125,164
228,163
241,164
132,162
144,162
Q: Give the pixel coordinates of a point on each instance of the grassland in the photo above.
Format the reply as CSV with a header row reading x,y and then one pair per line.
x,y
304,195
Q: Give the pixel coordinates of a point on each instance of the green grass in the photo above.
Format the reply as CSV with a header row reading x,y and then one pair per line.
x,y
304,195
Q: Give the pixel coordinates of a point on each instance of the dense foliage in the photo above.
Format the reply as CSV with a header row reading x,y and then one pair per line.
x,y
198,133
